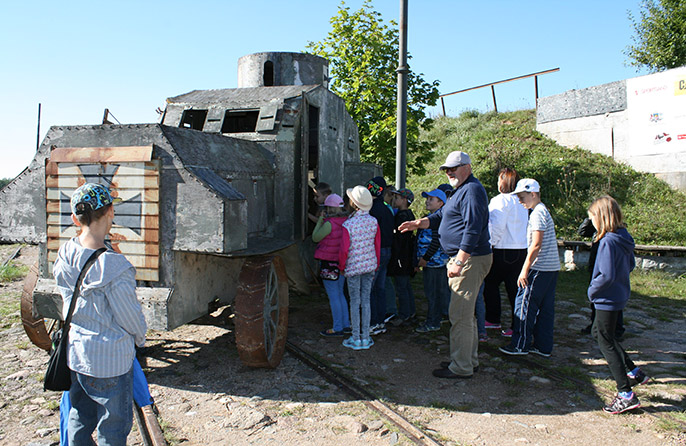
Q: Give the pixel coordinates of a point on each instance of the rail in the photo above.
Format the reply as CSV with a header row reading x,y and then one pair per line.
x,y
660,249
493,84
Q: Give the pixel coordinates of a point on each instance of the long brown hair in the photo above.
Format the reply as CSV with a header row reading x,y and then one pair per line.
x,y
608,215
509,178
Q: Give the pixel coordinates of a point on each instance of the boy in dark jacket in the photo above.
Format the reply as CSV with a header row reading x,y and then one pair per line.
x,y
403,253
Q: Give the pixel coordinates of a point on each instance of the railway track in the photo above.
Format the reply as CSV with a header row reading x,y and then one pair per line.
x,y
412,432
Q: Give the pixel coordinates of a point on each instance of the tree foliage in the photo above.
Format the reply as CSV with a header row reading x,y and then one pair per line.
x,y
660,39
363,53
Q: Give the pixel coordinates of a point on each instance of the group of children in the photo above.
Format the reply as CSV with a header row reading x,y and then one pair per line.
x,y
350,247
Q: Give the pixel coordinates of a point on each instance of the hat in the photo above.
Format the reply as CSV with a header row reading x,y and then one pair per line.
x,y
94,196
436,193
445,187
376,186
361,197
527,185
405,193
454,159
334,201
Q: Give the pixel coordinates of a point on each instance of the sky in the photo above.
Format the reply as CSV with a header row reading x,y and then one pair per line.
x,y
77,58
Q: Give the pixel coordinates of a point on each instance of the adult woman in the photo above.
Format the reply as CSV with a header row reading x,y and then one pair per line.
x,y
507,221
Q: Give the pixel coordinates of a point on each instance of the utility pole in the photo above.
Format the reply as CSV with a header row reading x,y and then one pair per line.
x,y
401,115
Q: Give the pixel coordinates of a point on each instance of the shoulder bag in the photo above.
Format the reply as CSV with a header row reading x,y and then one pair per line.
x,y
58,375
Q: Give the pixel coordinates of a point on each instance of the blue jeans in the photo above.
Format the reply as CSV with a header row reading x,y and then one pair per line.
x,y
480,312
339,306
406,303
535,312
360,288
378,297
437,294
105,403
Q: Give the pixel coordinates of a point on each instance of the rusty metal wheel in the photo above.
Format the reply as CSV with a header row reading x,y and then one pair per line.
x,y
261,310
38,329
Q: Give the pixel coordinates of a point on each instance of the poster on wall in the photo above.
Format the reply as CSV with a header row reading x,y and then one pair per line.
x,y
656,108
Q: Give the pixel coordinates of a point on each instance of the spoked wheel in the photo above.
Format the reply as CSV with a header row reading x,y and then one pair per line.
x,y
261,309
38,329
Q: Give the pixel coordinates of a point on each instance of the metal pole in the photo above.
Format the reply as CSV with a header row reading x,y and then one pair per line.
x,y
38,130
443,105
401,129
495,106
536,86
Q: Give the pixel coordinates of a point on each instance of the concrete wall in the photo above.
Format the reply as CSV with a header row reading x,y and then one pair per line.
x,y
640,121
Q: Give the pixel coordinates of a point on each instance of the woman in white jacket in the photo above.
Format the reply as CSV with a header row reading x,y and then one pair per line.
x,y
507,221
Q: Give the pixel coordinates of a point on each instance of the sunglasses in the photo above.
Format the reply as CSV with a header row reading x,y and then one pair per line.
x,y
453,169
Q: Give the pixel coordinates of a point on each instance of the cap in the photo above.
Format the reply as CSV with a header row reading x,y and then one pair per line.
x,y
438,193
445,187
527,185
334,201
455,159
376,186
93,195
405,193
361,197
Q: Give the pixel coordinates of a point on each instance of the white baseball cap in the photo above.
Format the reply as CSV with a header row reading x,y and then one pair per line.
x,y
527,185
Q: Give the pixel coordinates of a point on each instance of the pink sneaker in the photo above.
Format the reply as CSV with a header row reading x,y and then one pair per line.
x,y
489,325
483,338
507,333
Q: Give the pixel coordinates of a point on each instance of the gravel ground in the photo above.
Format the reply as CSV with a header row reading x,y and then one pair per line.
x,y
206,397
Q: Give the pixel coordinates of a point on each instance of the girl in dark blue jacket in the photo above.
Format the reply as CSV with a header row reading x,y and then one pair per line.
x,y
609,291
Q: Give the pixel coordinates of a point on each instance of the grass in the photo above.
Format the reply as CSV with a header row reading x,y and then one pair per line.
x,y
569,178
12,272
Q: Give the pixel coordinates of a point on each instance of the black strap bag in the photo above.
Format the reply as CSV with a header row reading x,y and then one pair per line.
x,y
58,375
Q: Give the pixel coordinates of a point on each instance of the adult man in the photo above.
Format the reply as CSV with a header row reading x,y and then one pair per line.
x,y
463,228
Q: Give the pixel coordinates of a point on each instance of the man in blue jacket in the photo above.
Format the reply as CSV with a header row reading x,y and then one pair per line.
x,y
463,228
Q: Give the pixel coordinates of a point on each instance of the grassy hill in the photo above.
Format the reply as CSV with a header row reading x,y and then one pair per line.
x,y
570,178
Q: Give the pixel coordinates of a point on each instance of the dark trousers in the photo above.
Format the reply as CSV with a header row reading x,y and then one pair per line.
x,y
619,327
378,297
507,264
617,359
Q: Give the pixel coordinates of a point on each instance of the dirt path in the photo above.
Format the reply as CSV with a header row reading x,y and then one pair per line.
x,y
206,397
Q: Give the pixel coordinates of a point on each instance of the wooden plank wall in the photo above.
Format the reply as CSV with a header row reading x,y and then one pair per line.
x,y
135,232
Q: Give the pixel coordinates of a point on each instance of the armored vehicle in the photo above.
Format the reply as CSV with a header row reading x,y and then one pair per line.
x,y
214,198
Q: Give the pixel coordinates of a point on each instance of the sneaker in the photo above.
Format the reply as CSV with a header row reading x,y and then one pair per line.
x,y
424,328
445,319
509,350
620,404
506,333
538,352
483,337
330,333
639,378
347,330
353,344
389,317
377,329
364,344
586,330
489,325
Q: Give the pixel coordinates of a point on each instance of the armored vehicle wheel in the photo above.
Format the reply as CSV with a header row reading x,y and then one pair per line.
x,y
38,329
261,310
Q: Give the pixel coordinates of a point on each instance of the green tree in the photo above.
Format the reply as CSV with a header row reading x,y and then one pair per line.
x,y
4,182
660,39
363,53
